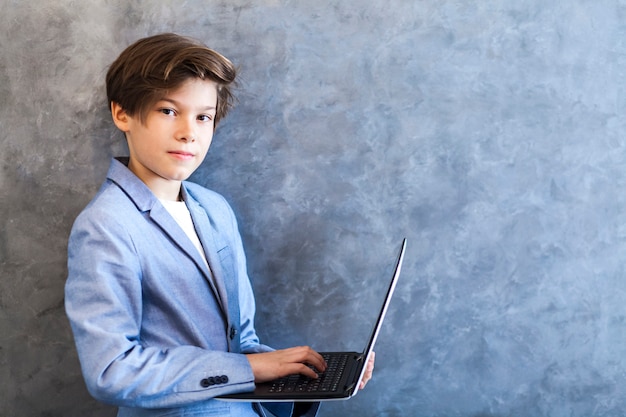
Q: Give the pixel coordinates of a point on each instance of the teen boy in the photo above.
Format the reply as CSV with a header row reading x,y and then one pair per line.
x,y
158,294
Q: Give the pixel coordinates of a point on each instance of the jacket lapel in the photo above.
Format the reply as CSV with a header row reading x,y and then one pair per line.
x,y
161,217
226,284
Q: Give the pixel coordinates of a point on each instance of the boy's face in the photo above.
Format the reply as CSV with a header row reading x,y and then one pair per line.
x,y
175,137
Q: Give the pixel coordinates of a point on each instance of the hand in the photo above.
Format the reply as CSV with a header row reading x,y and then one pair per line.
x,y
369,369
271,365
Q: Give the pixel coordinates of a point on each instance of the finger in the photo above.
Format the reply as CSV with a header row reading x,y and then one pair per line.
x,y
365,380
307,355
369,370
305,370
318,362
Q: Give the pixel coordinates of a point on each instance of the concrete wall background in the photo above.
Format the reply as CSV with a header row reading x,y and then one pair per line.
x,y
489,133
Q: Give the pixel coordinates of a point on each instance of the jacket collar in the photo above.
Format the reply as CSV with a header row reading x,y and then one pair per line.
x,y
136,190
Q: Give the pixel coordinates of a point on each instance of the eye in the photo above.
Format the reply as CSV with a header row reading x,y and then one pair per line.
x,y
205,117
167,111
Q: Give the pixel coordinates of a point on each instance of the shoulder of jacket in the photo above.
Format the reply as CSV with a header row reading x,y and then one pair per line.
x,y
110,205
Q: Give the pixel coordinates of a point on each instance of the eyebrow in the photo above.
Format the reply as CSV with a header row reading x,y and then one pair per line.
x,y
176,103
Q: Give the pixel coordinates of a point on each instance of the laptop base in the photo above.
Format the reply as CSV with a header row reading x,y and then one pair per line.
x,y
284,390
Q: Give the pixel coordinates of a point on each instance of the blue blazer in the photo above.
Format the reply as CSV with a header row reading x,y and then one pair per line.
x,y
157,332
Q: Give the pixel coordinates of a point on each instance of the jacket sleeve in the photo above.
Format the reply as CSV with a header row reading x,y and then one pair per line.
x,y
103,300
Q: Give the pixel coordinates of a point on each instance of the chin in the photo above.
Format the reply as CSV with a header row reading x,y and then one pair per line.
x,y
179,176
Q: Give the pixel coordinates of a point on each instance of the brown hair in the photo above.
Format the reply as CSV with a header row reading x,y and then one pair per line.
x,y
149,68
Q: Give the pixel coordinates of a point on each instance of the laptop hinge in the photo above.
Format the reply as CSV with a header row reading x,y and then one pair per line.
x,y
349,388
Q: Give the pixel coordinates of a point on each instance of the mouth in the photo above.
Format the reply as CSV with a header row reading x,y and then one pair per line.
x,y
182,155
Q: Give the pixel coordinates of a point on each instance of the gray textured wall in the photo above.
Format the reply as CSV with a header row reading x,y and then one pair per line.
x,y
490,133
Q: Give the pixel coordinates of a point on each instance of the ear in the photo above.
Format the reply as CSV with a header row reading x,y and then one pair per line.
x,y
120,117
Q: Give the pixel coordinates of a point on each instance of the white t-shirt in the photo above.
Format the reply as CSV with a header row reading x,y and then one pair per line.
x,y
180,213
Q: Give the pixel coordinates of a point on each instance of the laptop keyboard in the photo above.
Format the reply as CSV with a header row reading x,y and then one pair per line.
x,y
327,381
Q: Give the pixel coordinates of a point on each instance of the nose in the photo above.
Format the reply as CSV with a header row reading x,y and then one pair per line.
x,y
186,130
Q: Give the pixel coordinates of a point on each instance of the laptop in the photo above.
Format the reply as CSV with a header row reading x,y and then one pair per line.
x,y
343,376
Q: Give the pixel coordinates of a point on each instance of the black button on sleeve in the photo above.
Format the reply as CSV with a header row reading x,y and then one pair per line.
x,y
213,380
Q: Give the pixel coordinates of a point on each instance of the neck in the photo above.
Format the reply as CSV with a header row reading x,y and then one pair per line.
x,y
167,193
162,188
